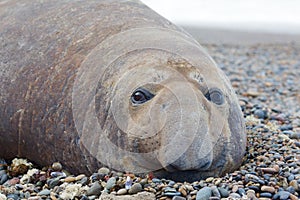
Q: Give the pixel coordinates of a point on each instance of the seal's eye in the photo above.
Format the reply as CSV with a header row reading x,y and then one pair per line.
x,y
215,95
140,96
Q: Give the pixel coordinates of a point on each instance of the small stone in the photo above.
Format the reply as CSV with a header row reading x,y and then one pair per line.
x,y
44,192
235,188
57,174
169,189
209,179
215,191
103,170
270,189
56,166
111,183
53,182
241,191
156,180
3,178
270,170
204,194
95,189
122,191
2,197
182,190
178,198
224,192
135,188
79,177
189,187
283,195
69,179
294,184
235,196
251,195
295,136
12,197
172,194
128,183
266,194
35,198
171,183
290,189
260,114
293,197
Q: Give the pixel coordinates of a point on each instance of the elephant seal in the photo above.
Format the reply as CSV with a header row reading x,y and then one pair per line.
x,y
110,82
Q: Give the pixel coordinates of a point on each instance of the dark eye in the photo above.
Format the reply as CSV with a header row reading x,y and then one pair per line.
x,y
215,95
140,96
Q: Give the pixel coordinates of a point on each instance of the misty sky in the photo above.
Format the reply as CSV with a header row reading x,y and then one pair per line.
x,y
281,16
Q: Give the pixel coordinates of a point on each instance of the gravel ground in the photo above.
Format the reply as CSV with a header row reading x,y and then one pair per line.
x,y
266,78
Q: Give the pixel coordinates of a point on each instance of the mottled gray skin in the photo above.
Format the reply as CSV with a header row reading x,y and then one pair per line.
x,y
43,44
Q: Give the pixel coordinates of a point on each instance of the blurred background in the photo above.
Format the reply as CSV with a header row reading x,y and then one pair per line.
x,y
234,21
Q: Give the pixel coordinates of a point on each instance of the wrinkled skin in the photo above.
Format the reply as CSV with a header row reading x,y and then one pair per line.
x,y
93,83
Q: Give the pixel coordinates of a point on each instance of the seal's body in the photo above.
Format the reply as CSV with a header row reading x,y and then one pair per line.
x,y
92,83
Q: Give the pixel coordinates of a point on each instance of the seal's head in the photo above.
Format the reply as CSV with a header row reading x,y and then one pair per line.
x,y
163,107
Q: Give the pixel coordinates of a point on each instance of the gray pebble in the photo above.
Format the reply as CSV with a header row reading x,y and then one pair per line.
x,y
95,189
223,192
44,192
13,196
204,194
171,183
235,196
3,179
103,170
241,191
169,189
135,188
260,114
283,195
295,136
215,191
111,183
53,182
172,194
156,180
290,189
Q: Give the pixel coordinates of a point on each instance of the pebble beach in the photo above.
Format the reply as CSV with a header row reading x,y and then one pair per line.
x,y
266,78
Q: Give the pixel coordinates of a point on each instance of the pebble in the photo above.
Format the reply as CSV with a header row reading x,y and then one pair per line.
x,y
270,189
111,183
95,189
282,195
223,192
70,179
251,195
178,198
135,188
203,194
266,195
104,170
56,166
215,191
122,191
44,192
